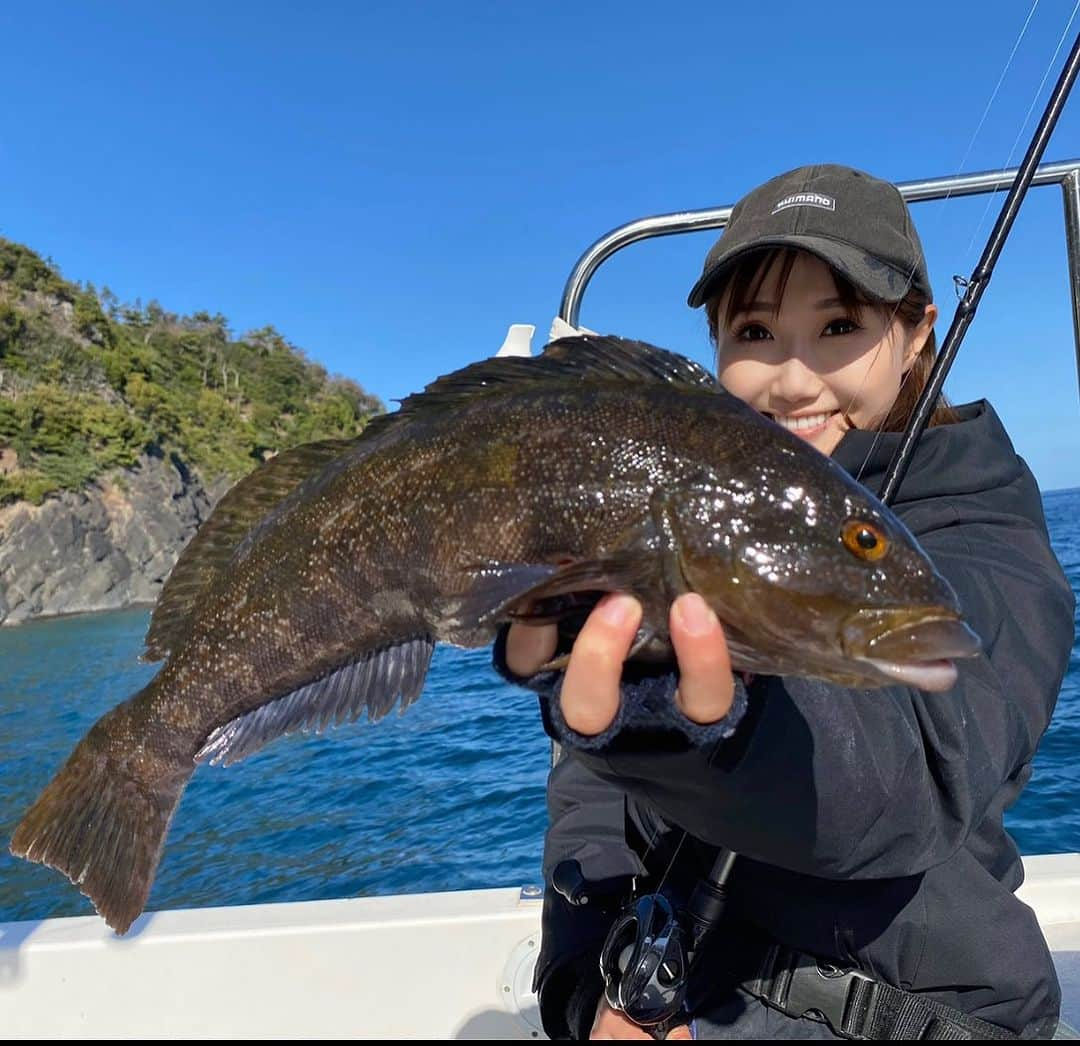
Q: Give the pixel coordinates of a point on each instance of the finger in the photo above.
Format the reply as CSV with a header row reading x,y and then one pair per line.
x,y
590,692
679,1032
610,1024
530,646
706,686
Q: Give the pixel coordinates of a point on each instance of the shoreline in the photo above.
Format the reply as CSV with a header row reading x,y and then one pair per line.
x,y
65,615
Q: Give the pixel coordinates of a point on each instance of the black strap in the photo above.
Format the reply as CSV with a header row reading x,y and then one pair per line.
x,y
856,1006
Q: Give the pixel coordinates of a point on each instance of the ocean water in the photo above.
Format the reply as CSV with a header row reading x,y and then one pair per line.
x,y
449,796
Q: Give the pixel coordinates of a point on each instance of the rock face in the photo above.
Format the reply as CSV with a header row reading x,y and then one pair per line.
x,y
105,547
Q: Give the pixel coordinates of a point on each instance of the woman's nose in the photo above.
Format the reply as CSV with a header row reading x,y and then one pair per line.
x,y
795,383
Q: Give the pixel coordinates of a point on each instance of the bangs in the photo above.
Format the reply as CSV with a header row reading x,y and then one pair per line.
x,y
754,269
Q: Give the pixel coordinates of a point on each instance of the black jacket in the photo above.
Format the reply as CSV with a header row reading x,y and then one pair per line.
x,y
868,823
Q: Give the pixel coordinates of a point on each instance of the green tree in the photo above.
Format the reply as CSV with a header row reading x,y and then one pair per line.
x,y
135,377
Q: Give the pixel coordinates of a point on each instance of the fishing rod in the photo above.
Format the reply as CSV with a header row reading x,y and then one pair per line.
x,y
965,311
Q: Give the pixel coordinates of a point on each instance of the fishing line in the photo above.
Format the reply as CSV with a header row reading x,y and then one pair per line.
x,y
994,94
980,277
671,863
1023,126
935,222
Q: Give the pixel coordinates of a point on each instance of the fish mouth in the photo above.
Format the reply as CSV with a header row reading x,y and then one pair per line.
x,y
913,646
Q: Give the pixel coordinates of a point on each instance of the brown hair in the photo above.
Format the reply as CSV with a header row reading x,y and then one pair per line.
x,y
745,283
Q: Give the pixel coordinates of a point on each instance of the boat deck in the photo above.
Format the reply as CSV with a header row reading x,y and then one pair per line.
x,y
446,965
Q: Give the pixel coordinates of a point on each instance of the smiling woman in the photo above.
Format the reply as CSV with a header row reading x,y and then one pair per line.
x,y
868,825
813,332
805,346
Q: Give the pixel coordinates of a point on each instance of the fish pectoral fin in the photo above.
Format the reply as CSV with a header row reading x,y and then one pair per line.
x,y
573,589
547,592
496,587
556,664
650,644
373,682
566,594
630,571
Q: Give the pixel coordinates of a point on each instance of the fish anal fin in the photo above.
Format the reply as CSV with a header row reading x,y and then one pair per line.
x,y
374,682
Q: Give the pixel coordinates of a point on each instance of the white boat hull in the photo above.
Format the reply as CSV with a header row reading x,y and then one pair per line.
x,y
420,966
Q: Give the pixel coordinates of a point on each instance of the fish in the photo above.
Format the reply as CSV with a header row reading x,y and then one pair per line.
x,y
514,489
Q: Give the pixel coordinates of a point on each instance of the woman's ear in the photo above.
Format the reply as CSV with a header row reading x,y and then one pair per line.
x,y
920,336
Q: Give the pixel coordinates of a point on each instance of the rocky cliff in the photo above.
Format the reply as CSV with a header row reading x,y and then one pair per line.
x,y
120,425
104,547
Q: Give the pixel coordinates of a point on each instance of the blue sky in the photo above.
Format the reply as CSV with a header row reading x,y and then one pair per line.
x,y
391,184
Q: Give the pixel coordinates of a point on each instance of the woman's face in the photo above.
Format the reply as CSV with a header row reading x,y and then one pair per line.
x,y
808,363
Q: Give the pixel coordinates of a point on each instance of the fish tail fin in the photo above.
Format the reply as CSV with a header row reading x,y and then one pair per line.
x,y
102,828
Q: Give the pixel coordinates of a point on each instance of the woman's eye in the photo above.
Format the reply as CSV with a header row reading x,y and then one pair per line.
x,y
841,326
753,332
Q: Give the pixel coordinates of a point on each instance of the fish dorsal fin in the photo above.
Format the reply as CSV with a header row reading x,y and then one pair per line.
x,y
589,356
607,355
214,544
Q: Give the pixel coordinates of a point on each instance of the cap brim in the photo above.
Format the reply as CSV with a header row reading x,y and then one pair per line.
x,y
877,278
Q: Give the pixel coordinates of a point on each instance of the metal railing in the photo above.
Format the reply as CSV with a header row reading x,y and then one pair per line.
x,y
1066,174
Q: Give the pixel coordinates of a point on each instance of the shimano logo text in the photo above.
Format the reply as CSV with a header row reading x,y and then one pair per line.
x,y
806,199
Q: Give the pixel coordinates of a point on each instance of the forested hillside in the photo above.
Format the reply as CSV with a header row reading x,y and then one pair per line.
x,y
121,425
88,384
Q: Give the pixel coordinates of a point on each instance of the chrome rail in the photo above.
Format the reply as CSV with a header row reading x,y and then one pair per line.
x,y
1066,174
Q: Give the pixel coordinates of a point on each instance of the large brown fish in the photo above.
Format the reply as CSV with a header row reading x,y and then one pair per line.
x,y
322,582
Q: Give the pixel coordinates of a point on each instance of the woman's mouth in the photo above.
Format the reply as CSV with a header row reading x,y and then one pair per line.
x,y
805,425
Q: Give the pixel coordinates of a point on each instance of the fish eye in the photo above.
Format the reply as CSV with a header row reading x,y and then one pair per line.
x,y
865,539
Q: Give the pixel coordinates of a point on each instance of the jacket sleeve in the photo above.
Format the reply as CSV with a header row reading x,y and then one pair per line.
x,y
839,782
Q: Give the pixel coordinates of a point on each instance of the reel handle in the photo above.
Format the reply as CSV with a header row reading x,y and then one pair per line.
x,y
644,963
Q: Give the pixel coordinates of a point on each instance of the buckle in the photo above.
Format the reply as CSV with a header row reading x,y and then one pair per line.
x,y
821,989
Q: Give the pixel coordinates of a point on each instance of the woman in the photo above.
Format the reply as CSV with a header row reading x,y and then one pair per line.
x,y
868,824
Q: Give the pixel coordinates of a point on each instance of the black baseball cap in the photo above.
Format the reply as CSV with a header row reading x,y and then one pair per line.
x,y
854,222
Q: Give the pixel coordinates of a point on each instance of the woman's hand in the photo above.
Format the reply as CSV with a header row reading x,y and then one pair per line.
x,y
590,692
610,1024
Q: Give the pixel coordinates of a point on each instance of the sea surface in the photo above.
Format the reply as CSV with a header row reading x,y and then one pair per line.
x,y
449,796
